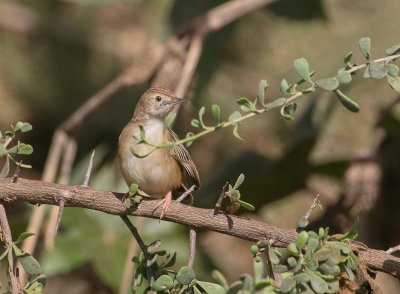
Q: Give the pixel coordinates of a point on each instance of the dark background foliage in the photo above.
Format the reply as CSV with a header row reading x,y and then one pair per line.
x,y
56,54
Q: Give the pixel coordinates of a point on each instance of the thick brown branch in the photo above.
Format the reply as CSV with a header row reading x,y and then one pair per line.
x,y
78,196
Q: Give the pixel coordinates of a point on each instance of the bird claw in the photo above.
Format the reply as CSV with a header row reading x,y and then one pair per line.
x,y
165,203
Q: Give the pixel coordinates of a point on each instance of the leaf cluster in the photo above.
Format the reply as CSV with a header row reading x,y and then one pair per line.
x,y
18,149
232,195
156,269
37,280
314,264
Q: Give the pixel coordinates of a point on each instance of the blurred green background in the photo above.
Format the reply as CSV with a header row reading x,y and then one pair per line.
x,y
55,54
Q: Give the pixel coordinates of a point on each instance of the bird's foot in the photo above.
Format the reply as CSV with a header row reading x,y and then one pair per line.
x,y
165,203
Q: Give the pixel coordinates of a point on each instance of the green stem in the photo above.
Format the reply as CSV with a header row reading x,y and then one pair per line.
x,y
290,99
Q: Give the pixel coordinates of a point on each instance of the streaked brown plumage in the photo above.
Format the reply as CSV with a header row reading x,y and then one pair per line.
x,y
165,169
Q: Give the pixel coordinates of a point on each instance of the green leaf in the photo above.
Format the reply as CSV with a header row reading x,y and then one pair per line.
x,y
5,169
163,283
292,262
247,205
328,84
284,87
24,165
262,87
301,239
312,245
349,273
211,288
302,68
303,222
366,74
393,50
23,236
377,70
195,123
392,69
254,249
329,267
347,102
188,135
245,104
169,119
344,247
142,133
288,110
302,277
24,149
201,113
322,254
347,58
2,150
258,269
28,262
365,47
219,278
239,181
133,189
185,276
344,76
234,116
288,285
24,126
394,82
171,259
317,283
292,248
153,247
352,233
236,132
276,103
353,261
273,257
280,268
235,287
216,113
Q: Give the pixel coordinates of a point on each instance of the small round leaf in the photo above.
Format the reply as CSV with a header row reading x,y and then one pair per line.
x,y
163,283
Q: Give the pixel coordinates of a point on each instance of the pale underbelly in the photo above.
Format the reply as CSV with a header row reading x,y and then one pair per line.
x,y
156,175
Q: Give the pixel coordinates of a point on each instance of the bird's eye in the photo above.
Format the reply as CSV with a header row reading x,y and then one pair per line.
x,y
158,98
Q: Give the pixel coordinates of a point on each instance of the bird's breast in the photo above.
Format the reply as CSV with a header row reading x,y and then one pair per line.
x,y
157,173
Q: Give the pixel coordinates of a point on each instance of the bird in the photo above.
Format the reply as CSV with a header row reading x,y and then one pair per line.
x,y
158,172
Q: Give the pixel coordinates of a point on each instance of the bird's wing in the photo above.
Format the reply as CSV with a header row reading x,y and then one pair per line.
x,y
180,153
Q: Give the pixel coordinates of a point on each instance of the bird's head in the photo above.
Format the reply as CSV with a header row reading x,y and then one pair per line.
x,y
156,103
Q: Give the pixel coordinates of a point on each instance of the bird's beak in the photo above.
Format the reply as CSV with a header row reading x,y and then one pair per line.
x,y
176,101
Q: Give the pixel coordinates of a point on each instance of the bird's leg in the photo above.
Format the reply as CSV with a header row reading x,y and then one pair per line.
x,y
165,204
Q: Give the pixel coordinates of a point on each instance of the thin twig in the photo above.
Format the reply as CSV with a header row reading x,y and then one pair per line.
x,y
192,246
36,218
135,234
57,212
312,207
188,69
186,193
129,265
7,239
89,170
220,199
391,250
